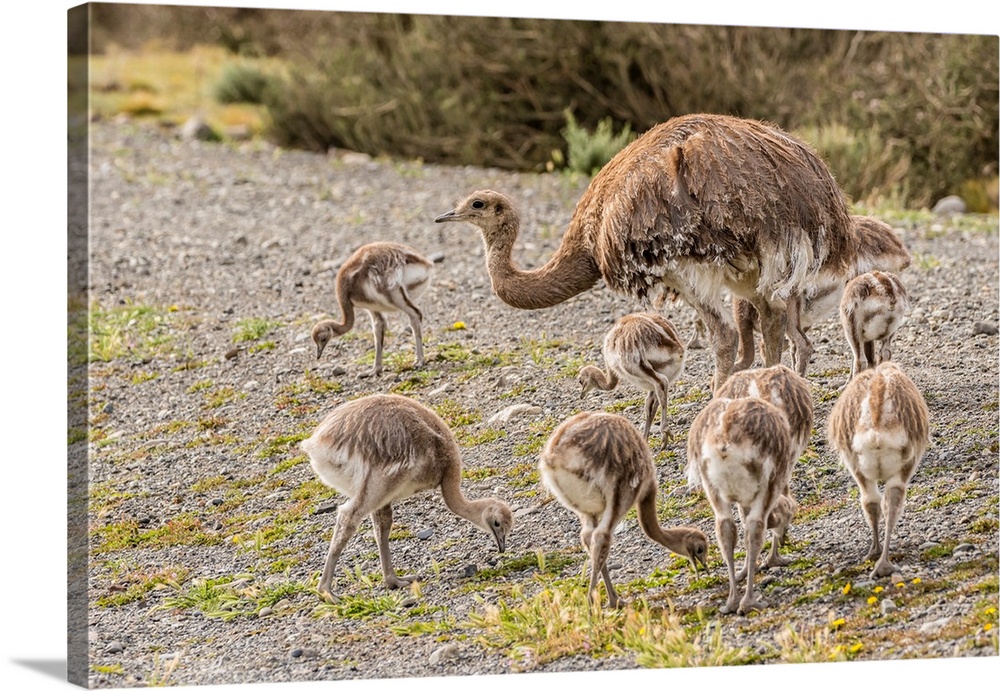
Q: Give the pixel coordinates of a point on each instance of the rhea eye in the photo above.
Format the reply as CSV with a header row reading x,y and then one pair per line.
x,y
496,524
479,204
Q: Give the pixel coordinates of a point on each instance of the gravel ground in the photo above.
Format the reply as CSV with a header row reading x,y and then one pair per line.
x,y
195,475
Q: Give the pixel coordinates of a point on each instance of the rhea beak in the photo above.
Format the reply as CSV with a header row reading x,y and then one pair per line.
x,y
500,540
319,350
698,559
448,216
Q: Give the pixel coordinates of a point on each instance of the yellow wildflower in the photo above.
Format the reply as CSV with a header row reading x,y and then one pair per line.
x,y
879,589
856,647
991,610
837,623
987,626
458,326
847,588
916,580
900,584
872,600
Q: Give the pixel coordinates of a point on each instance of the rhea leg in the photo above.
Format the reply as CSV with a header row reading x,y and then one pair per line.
x,y
649,408
801,348
349,515
724,341
870,502
401,299
892,505
754,537
854,339
382,523
378,329
772,328
745,317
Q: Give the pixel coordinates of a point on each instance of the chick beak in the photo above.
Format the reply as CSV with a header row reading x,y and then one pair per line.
x,y
500,540
448,216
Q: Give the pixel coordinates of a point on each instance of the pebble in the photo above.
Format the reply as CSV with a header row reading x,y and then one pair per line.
x,y
328,507
963,548
984,328
232,353
949,206
516,410
888,606
449,651
425,534
470,570
217,501
251,385
115,647
297,652
935,625
108,408
436,257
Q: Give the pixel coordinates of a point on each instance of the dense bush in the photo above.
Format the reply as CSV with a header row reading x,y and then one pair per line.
x,y
241,83
900,116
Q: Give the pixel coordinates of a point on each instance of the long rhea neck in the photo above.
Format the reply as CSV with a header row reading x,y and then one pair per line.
x,y
570,271
671,538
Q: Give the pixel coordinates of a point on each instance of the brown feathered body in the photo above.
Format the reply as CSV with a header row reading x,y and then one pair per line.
x,y
872,307
598,466
740,452
696,205
876,247
788,392
644,350
880,427
382,448
379,277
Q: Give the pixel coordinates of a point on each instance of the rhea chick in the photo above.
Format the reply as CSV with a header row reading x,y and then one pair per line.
x,y
645,350
790,394
383,448
740,452
880,427
871,309
379,277
598,466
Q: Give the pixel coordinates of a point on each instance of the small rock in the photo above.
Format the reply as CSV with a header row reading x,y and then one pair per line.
x,y
949,206
888,606
251,385
269,243
232,353
409,602
264,611
449,651
162,414
297,652
115,647
439,390
513,411
425,534
108,408
197,129
354,158
298,351
935,625
469,571
217,501
896,578
928,545
436,257
338,371
328,507
524,511
984,328
963,548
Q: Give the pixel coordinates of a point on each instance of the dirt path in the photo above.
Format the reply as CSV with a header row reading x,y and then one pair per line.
x,y
208,529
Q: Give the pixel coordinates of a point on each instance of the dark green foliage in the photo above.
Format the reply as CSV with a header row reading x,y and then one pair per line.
x,y
241,83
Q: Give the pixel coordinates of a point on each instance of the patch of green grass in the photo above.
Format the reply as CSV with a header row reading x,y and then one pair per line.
x,y
200,385
537,561
115,669
314,490
263,346
229,597
135,585
281,444
476,474
560,622
416,379
129,331
206,484
219,397
523,475
455,415
353,606
183,529
140,377
288,463
254,329
487,435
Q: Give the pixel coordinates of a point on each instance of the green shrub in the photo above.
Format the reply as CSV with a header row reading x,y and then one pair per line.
x,y
241,83
588,152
